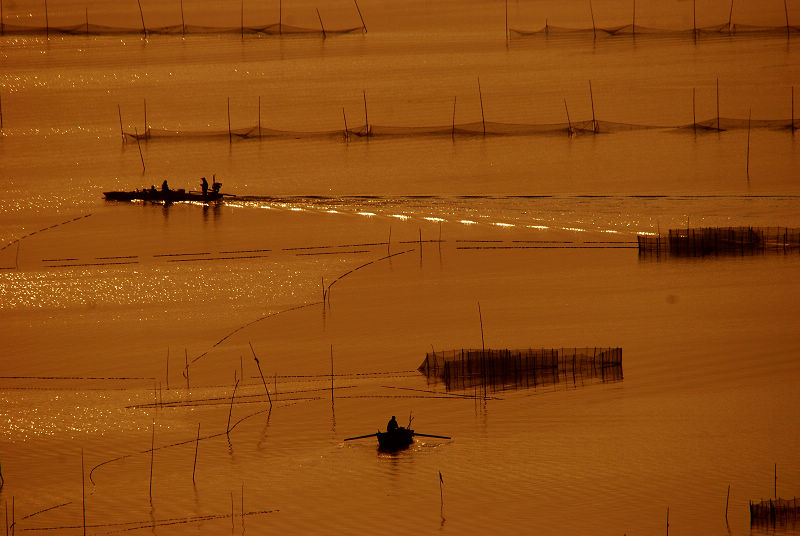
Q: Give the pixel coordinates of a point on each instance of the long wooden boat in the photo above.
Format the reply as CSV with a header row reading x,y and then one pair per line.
x,y
165,196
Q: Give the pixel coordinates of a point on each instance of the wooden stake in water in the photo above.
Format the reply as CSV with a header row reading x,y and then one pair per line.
x,y
324,35
230,411
87,21
594,29
258,364
331,374
152,457
717,104
241,25
141,15
480,317
480,96
183,22
259,116
346,132
776,480
83,494
167,368
230,136
280,17
694,20
694,117
667,520
786,13
790,122
363,25
121,132
196,445
727,499
453,129
749,113
595,127
146,129
366,115
569,123
139,145
730,19
186,366
506,23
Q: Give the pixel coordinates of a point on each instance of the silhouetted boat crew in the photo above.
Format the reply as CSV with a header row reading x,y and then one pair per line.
x,y
204,185
392,426
166,195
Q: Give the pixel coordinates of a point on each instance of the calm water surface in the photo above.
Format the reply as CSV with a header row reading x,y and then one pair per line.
x,y
104,303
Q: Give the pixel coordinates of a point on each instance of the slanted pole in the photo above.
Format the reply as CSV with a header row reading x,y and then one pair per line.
x,y
694,20
506,23
230,136
569,123
241,19
730,19
324,35
591,98
453,129
141,15
694,116
594,28
791,123
139,145
633,23
480,96
346,132
259,116
366,115
363,24
786,13
183,22
717,104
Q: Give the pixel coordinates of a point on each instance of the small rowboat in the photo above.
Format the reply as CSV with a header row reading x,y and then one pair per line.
x,y
397,439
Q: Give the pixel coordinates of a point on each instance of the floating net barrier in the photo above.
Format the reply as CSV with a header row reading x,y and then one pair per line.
x,y
275,29
717,30
720,241
471,129
775,513
502,369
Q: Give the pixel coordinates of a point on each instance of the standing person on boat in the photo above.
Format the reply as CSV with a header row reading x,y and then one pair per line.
x,y
392,426
204,186
164,186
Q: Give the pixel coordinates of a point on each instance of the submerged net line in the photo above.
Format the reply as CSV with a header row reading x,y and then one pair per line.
x,y
470,129
722,30
775,512
275,29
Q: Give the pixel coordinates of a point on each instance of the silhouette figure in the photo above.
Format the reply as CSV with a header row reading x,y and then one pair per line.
x,y
204,185
392,426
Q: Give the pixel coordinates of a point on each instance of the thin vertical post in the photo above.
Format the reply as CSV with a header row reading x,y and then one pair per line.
x,y
480,96
167,368
2,25
730,19
152,456
87,21
259,116
139,145
83,493
569,123
324,35
591,98
366,115
786,13
790,122
694,20
121,132
1,105
749,114
633,24
727,499
717,104
186,366
453,129
145,120
506,23
331,373
258,364
667,520
346,132
241,21
776,480
183,21
141,15
280,17
694,116
196,444
594,28
46,21
480,317
363,24
230,136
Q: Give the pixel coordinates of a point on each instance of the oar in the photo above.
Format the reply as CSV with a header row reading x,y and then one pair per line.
x,y
360,437
431,435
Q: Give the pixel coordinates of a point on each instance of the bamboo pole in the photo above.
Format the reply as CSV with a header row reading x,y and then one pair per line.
x,y
258,364
667,520
694,20
186,366
2,24
121,132
196,444
366,115
1,104
480,317
790,122
324,35
749,114
633,23
232,517
506,23
152,457
480,96
280,17
569,123
727,499
230,136
83,493
346,132
146,130
453,129
241,20
591,98
717,104
141,15
389,242
776,480
694,116
230,410
259,116
139,145
167,368
183,22
363,24
594,28
730,19
331,374
786,13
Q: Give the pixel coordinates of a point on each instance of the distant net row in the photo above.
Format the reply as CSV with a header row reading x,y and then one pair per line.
x,y
475,128
174,29
631,30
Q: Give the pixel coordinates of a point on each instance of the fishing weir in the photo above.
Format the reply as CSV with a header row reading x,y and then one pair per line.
x,y
775,512
504,369
720,241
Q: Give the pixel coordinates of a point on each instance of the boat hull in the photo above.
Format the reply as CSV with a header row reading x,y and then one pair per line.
x,y
395,440
169,196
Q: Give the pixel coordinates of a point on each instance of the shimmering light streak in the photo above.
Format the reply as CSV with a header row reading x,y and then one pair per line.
x,y
468,222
